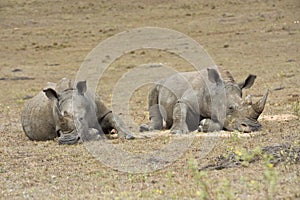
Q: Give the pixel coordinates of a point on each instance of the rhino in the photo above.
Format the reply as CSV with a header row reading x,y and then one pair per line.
x,y
69,113
206,100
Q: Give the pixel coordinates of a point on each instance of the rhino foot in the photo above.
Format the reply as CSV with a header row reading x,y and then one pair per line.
x,y
144,127
208,125
127,136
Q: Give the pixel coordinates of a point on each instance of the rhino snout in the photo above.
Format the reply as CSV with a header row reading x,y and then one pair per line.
x,y
243,127
68,138
249,126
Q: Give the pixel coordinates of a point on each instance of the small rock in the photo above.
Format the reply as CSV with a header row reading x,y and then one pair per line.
x,y
52,64
16,70
291,60
278,88
27,97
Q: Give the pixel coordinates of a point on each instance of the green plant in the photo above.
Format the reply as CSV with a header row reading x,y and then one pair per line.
x,y
225,190
235,136
199,176
270,176
247,157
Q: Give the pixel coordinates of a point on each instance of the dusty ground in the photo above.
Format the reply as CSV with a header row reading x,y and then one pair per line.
x,y
44,41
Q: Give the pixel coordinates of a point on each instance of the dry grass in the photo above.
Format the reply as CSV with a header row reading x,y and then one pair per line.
x,y
48,40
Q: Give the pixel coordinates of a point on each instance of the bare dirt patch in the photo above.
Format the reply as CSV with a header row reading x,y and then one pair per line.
x,y
44,41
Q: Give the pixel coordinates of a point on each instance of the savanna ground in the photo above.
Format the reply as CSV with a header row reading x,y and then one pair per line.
x,y
43,41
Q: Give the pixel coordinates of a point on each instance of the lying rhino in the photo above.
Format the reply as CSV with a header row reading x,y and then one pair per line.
x,y
203,100
70,114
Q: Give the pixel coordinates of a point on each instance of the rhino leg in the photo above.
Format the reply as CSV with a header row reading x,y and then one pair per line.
x,y
179,119
208,125
156,120
111,121
92,135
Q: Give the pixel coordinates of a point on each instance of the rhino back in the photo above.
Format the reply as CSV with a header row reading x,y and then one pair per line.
x,y
37,115
37,119
175,87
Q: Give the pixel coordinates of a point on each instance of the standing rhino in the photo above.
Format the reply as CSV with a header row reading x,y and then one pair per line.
x,y
203,100
69,114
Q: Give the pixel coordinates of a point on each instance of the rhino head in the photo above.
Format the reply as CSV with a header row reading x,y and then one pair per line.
x,y
74,114
240,114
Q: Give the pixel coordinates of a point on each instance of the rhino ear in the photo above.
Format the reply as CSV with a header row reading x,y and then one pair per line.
x,y
214,76
248,82
51,94
81,87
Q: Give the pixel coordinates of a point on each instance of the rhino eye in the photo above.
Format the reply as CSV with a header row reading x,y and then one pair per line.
x,y
231,108
64,114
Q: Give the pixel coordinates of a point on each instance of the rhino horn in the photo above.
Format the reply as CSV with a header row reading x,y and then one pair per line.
x,y
258,107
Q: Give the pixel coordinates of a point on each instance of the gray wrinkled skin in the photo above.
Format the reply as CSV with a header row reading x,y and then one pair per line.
x,y
69,114
195,100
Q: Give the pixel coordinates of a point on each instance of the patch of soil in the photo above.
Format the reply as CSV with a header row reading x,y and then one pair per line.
x,y
48,40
